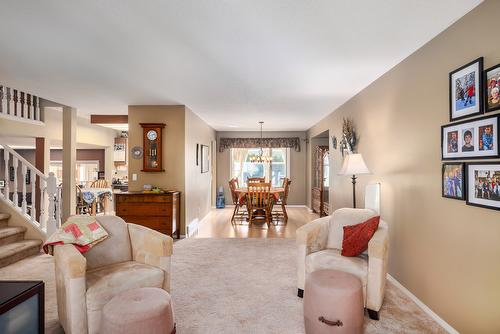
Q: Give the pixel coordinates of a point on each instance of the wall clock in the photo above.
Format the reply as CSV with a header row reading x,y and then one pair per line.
x,y
152,147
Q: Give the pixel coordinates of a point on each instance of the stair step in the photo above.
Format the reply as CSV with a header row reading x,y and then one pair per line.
x,y
18,250
10,234
4,219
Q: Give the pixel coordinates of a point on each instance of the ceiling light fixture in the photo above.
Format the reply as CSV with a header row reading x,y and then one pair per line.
x,y
261,158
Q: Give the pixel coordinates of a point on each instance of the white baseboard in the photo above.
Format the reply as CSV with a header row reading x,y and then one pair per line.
x,y
447,327
192,227
296,206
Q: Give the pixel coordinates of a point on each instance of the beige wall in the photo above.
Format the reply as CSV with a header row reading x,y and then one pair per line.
x,y
297,194
198,185
182,132
443,251
86,133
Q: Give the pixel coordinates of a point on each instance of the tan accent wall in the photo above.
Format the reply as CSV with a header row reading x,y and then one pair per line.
x,y
199,185
443,251
182,132
297,194
173,149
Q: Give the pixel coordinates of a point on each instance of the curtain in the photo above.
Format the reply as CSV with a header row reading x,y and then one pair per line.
x,y
227,143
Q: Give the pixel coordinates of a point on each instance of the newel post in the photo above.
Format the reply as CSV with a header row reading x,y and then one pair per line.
x,y
53,202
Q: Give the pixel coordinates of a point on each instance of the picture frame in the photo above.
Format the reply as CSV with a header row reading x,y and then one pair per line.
x,y
205,159
471,139
492,88
453,184
466,90
197,154
482,188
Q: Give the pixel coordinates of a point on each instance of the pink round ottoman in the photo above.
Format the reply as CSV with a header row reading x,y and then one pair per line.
x,y
143,310
333,303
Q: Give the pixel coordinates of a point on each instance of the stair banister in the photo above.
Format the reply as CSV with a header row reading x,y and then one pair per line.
x,y
50,193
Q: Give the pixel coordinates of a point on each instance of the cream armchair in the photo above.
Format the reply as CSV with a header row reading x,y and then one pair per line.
x,y
132,257
320,245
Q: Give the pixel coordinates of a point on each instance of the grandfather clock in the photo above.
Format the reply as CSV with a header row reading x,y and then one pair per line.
x,y
152,144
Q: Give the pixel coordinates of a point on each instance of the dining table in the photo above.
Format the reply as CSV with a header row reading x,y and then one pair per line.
x,y
92,195
275,191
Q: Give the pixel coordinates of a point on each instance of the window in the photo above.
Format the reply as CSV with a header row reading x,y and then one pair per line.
x,y
242,168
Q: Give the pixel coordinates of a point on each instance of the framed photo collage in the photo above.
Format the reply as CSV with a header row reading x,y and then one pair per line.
x,y
472,92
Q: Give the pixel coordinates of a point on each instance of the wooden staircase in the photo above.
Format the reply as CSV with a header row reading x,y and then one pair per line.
x,y
13,245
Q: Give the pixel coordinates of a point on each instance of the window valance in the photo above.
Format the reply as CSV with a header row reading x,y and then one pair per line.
x,y
227,143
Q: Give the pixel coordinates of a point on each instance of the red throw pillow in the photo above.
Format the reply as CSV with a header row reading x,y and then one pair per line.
x,y
356,237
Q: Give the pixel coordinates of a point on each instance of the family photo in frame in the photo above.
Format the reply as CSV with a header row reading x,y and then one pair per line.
x,y
466,97
477,138
452,176
483,184
492,88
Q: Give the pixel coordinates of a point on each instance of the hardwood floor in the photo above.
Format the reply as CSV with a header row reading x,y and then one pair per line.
x,y
217,224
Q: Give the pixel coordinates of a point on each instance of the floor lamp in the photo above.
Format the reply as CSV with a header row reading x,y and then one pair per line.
x,y
354,165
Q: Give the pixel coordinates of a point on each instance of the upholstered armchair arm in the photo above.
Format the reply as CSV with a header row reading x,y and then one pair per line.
x,y
378,253
70,270
153,248
310,238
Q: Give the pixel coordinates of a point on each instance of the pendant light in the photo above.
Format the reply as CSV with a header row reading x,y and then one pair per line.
x,y
261,158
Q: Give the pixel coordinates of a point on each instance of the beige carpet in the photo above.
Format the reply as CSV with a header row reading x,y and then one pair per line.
x,y
249,286
236,286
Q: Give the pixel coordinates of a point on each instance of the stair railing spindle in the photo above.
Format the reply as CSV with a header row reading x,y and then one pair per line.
x,y
24,203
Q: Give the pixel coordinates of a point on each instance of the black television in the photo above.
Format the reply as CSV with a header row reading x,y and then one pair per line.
x,y
22,307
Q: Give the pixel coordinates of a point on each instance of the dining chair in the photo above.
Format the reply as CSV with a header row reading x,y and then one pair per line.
x,y
237,201
99,184
281,203
100,203
256,180
259,202
82,207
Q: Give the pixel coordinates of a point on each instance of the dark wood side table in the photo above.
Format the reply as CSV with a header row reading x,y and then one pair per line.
x,y
22,307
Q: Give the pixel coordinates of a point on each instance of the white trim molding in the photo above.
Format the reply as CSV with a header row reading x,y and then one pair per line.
x,y
446,326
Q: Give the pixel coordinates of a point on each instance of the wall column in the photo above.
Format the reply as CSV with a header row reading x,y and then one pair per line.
x,y
69,163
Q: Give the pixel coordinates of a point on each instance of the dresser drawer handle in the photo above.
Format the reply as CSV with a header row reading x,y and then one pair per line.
x,y
337,323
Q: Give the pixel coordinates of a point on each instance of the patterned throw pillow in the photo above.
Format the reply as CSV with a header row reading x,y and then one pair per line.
x,y
357,237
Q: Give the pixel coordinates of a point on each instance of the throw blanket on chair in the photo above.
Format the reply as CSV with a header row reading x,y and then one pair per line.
x,y
83,232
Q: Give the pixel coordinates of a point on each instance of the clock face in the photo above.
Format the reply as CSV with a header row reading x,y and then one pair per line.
x,y
152,134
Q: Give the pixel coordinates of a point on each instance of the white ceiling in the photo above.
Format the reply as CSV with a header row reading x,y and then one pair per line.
x,y
234,63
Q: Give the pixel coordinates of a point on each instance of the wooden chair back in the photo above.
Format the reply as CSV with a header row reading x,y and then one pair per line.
x,y
233,186
99,184
286,185
256,180
259,196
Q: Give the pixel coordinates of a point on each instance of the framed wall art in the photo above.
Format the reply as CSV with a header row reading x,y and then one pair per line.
x,y
492,88
197,154
483,184
452,180
472,139
466,97
205,159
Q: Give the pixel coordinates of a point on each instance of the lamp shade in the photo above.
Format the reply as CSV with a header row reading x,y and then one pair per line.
x,y
354,165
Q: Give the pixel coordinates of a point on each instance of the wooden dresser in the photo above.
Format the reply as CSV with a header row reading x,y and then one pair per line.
x,y
160,212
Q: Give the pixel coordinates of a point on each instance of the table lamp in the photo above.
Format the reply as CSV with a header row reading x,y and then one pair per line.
x,y
354,165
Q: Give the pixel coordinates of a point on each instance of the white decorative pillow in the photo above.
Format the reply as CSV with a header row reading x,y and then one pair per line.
x,y
345,217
